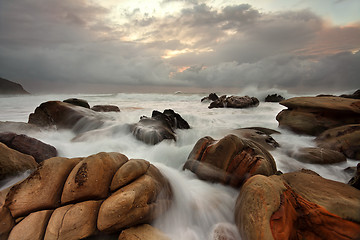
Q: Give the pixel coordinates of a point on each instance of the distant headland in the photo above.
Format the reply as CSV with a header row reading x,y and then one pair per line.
x,y
9,87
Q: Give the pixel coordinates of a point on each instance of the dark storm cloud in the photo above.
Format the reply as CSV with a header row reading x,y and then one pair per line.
x,y
76,42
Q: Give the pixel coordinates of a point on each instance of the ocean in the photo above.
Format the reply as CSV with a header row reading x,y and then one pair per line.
x,y
198,206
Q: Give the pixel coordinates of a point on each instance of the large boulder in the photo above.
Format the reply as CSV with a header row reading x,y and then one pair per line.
x,y
13,162
234,102
142,232
28,145
298,205
344,139
66,116
75,198
259,135
230,160
313,115
159,127
318,155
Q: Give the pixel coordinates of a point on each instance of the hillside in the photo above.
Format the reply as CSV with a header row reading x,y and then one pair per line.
x,y
8,87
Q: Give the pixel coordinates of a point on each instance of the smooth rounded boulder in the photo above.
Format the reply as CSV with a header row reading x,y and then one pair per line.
x,y
298,205
314,115
344,139
230,160
317,155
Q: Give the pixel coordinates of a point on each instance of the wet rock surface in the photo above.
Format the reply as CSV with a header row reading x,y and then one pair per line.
x,y
234,102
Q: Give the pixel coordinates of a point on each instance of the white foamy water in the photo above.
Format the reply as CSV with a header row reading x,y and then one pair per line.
x,y
198,206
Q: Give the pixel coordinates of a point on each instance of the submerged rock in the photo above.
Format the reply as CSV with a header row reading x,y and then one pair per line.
x,y
230,160
77,102
314,115
105,108
28,145
211,97
344,139
274,98
159,127
298,205
77,198
318,155
13,162
234,102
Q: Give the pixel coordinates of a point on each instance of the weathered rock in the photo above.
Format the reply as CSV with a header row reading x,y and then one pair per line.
x,y
74,221
139,202
224,231
260,136
66,116
211,97
79,193
9,87
229,160
78,102
105,108
344,139
274,98
355,181
313,115
299,205
142,232
32,227
13,162
235,102
159,127
318,155
28,145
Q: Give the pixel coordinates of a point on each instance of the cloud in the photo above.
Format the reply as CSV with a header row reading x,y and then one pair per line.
x,y
81,42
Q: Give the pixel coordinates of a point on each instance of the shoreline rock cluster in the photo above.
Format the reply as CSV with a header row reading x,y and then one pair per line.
x,y
106,193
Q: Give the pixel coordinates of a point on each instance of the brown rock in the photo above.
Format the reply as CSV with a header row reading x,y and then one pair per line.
x,y
13,162
78,102
355,181
66,116
142,232
6,222
138,202
299,205
258,136
90,178
313,115
28,145
74,221
32,227
105,108
230,160
42,189
345,139
318,155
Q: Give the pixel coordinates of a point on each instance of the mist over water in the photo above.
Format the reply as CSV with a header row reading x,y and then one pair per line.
x,y
198,206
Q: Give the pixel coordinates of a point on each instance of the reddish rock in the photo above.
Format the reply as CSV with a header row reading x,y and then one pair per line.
x,y
28,145
229,160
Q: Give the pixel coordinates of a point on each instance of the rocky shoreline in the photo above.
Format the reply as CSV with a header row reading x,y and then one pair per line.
x,y
107,193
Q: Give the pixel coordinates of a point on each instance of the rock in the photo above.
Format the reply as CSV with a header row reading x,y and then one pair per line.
x,y
235,102
229,160
211,97
13,162
316,155
85,198
142,232
355,181
298,205
274,98
355,95
18,127
66,116
159,127
224,231
77,102
9,87
258,135
32,227
344,139
313,115
105,108
28,145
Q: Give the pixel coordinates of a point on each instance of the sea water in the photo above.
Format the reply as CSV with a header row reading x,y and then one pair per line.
x,y
199,207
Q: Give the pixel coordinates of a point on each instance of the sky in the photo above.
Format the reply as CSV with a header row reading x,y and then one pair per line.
x,y
102,46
